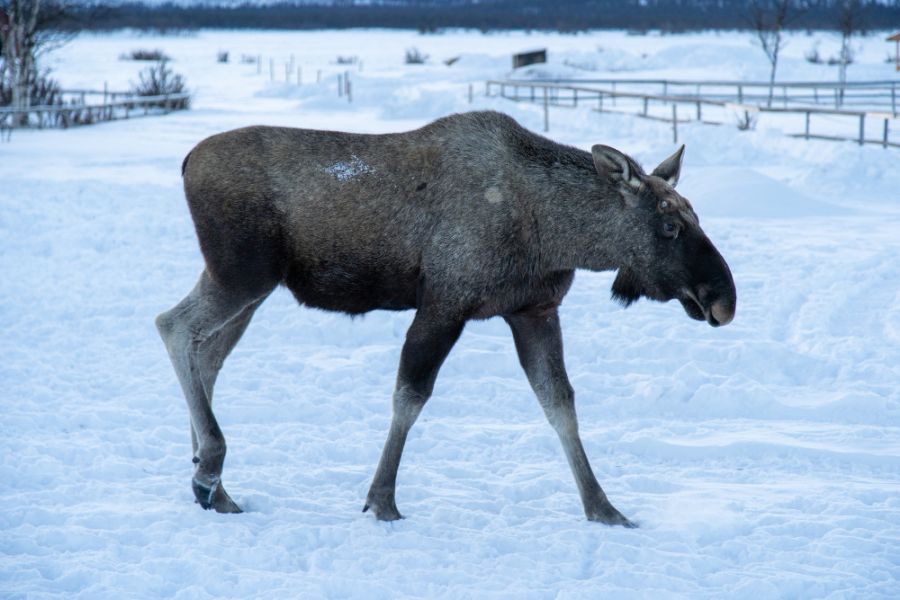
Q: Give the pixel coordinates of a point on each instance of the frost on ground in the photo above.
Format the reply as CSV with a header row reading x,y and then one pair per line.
x,y
761,459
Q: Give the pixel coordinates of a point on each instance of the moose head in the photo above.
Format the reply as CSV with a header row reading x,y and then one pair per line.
x,y
668,255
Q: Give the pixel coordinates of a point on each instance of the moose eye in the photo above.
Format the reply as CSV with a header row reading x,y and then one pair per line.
x,y
670,229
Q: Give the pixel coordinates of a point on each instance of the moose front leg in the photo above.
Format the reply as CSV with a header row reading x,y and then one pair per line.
x,y
539,343
428,342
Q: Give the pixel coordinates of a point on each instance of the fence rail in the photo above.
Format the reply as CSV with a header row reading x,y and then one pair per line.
x,y
695,108
866,95
78,112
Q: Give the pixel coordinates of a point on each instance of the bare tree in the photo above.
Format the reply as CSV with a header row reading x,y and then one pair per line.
x,y
769,19
26,32
849,22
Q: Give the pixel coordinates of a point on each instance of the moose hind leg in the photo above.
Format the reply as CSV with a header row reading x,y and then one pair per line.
x,y
539,344
428,342
199,333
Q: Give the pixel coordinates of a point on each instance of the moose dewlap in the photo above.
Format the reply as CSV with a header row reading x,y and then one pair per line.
x,y
470,217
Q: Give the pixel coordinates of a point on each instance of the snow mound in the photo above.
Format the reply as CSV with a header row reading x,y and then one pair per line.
x,y
742,192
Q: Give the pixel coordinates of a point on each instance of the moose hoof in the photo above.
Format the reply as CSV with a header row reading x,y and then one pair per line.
x,y
384,509
214,497
608,515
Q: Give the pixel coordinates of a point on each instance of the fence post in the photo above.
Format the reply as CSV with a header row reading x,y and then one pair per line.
x,y
740,94
699,112
862,128
806,130
546,112
349,90
894,98
784,95
340,85
614,93
575,96
674,123
347,84
645,106
884,139
600,101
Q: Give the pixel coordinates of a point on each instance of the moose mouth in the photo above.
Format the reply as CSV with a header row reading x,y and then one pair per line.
x,y
715,313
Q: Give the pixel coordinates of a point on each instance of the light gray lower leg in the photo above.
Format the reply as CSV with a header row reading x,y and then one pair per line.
x,y
199,333
539,344
407,407
216,349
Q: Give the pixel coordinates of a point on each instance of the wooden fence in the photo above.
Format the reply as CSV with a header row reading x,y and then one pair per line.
x,y
696,108
860,95
75,110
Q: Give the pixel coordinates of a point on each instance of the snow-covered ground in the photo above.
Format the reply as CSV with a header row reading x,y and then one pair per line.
x,y
762,459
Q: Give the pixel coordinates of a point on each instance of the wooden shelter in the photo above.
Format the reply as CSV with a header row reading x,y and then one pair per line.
x,y
523,59
896,39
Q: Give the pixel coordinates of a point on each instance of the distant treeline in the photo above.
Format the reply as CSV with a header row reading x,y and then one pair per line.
x,y
434,15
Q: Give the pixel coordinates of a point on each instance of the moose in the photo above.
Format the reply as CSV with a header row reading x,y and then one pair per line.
x,y
469,217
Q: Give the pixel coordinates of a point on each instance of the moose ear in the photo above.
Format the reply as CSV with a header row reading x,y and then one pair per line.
x,y
670,169
609,161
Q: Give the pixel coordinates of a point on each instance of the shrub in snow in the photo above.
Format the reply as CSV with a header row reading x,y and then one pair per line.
x,y
41,89
746,122
144,54
847,59
813,57
222,56
160,80
414,57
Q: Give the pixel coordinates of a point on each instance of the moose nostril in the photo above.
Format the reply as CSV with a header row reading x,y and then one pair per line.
x,y
722,312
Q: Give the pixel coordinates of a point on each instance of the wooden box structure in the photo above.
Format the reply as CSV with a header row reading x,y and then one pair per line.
x,y
533,57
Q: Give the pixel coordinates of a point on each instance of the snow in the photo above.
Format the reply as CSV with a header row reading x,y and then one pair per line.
x,y
345,171
761,459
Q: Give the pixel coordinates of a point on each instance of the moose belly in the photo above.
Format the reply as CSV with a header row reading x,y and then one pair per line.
x,y
352,287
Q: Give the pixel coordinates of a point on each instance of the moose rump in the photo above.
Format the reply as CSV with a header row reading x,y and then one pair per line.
x,y
285,206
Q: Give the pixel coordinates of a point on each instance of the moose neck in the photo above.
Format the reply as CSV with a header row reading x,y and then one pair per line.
x,y
580,218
